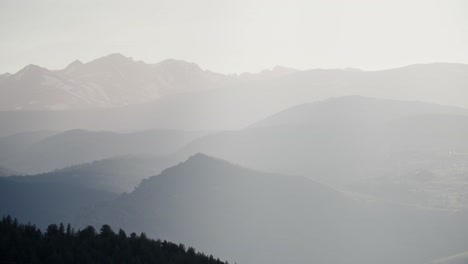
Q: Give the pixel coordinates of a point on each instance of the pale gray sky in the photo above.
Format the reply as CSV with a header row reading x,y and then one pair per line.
x,y
235,36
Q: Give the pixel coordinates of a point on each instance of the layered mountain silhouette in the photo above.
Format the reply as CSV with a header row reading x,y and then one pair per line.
x,y
33,153
355,110
43,202
371,146
117,93
246,216
345,180
61,195
16,143
344,139
116,175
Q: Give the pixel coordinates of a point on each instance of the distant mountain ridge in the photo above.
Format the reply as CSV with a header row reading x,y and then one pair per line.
x,y
115,175
76,146
110,81
343,139
353,109
119,81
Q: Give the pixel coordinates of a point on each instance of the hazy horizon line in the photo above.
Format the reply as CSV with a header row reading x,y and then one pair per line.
x,y
351,68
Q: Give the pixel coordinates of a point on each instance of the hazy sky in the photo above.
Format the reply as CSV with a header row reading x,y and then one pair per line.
x,y
235,36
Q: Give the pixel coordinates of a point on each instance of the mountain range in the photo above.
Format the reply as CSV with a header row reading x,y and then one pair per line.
x,y
115,175
118,93
40,152
110,81
247,216
296,168
343,138
370,146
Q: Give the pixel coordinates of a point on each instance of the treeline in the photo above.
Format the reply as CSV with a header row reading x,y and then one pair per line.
x,y
25,243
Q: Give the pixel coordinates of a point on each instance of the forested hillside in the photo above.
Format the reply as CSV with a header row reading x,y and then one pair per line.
x,y
20,243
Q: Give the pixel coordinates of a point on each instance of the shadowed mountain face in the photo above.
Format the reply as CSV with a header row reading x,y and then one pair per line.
x,y
80,146
344,139
247,216
61,195
179,95
116,175
43,203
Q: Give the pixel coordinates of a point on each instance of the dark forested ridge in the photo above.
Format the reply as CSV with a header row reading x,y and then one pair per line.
x,y
20,243
45,202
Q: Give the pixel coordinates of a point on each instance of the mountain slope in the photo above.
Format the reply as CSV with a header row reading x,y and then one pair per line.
x,y
13,144
342,139
81,146
353,109
57,245
116,175
247,216
43,203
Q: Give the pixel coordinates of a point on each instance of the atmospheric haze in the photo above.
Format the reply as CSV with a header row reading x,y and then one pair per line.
x,y
327,132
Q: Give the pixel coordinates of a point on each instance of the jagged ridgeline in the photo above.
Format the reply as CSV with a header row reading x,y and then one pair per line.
x,y
25,243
